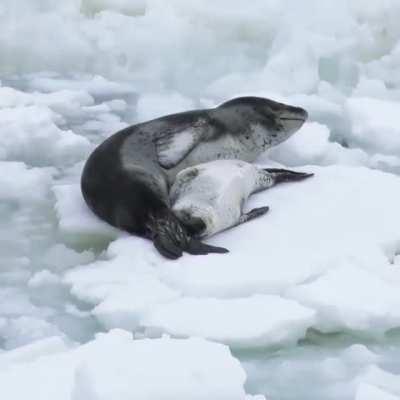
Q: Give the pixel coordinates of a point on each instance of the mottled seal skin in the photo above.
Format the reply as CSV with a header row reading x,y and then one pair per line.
x,y
126,179
209,198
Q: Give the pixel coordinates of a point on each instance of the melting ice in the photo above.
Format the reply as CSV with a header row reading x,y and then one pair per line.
x,y
307,303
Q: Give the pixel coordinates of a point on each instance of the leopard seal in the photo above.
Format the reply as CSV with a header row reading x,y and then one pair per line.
x,y
209,198
126,179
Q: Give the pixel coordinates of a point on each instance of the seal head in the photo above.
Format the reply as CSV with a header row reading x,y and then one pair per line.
x,y
268,122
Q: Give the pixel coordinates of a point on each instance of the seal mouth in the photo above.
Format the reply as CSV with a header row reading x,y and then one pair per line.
x,y
293,119
294,114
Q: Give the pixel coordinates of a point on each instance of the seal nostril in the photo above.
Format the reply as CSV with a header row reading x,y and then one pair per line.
x,y
304,113
300,112
294,113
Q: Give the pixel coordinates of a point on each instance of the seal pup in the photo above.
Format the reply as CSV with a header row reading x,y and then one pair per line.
x,y
209,198
126,179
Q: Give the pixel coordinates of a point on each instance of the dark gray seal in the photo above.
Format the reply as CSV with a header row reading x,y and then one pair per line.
x,y
126,179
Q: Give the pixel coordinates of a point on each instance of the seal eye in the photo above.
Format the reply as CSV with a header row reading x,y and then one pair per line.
x,y
184,216
197,226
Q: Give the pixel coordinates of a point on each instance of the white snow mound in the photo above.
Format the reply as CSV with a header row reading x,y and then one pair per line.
x,y
370,392
373,307
375,124
75,218
247,322
113,366
30,134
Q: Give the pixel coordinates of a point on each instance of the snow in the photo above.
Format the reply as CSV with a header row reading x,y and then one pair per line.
x,y
152,105
296,151
61,101
29,353
307,299
136,288
115,366
59,257
350,309
75,218
374,124
264,320
375,376
200,370
36,139
24,330
24,185
42,278
336,372
370,392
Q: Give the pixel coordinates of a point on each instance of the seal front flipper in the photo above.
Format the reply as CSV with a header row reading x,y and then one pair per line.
x,y
167,247
252,214
173,145
167,233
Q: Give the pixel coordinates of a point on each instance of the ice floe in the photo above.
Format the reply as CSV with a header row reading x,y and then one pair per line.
x,y
115,366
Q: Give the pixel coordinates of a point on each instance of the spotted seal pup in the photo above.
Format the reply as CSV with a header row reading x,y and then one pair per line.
x,y
209,198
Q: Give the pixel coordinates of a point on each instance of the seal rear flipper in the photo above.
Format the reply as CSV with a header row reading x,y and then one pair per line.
x,y
196,247
172,146
280,175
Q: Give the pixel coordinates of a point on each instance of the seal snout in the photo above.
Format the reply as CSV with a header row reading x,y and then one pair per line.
x,y
302,112
294,113
292,118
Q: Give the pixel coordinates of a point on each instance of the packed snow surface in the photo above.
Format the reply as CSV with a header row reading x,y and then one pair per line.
x,y
305,305
114,366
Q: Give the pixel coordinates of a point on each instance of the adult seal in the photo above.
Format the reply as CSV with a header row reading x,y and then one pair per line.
x,y
126,179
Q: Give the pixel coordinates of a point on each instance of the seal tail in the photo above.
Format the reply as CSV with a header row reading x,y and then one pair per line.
x,y
280,175
171,238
